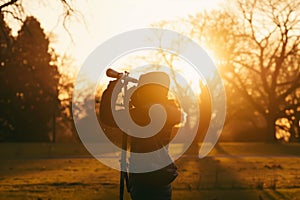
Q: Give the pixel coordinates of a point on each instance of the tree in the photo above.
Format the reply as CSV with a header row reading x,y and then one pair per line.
x,y
15,10
258,51
219,32
30,85
65,125
272,31
256,47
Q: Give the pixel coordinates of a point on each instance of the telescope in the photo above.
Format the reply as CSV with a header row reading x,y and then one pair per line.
x,y
119,75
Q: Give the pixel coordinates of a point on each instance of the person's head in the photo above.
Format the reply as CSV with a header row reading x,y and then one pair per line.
x,y
153,87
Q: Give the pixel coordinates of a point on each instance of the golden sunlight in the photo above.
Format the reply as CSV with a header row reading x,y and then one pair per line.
x,y
101,20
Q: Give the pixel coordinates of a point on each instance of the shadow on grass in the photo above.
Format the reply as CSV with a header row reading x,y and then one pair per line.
x,y
248,177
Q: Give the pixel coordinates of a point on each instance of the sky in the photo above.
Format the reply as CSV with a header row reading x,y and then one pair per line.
x,y
99,20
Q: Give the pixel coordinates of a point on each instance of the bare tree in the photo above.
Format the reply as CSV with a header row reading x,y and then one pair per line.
x,y
271,29
256,47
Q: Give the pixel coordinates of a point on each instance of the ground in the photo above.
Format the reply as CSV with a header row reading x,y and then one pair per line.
x,y
248,171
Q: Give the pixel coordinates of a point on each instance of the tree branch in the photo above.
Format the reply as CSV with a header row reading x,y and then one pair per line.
x,y
290,90
13,15
7,4
248,97
246,66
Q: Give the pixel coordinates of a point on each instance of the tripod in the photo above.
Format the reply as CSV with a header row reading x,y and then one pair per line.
x,y
123,161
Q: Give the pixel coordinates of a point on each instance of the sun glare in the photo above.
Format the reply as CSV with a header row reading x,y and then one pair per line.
x,y
102,20
182,73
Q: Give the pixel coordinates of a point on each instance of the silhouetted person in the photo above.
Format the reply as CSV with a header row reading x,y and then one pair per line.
x,y
154,185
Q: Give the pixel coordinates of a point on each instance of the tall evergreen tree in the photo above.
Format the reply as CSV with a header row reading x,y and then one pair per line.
x,y
32,84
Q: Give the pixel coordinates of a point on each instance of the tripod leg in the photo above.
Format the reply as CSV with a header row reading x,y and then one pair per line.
x,y
123,165
126,181
121,185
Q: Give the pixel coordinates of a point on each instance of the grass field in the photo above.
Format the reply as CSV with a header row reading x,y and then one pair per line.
x,y
251,171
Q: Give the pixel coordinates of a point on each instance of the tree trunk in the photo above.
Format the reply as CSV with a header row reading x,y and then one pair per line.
x,y
270,132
